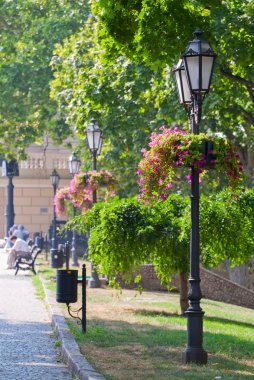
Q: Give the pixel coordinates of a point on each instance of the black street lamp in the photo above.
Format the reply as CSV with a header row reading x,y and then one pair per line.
x,y
10,169
74,166
94,142
193,77
54,180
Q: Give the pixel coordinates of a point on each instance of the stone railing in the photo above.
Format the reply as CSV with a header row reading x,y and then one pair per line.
x,y
39,163
32,163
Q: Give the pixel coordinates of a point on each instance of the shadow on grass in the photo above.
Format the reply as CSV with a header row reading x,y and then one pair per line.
x,y
158,313
227,321
163,347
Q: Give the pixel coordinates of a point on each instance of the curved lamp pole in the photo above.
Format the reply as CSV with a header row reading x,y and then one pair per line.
x,y
54,180
74,166
193,76
94,141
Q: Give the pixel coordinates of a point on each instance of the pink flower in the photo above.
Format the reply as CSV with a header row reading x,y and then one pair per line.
x,y
168,186
141,181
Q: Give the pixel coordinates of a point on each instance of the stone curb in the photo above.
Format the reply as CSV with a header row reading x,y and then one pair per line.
x,y
70,351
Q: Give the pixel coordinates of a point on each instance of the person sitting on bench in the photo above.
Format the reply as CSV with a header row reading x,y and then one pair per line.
x,y
20,249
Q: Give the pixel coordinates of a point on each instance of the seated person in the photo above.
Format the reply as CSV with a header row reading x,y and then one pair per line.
x,y
20,232
19,249
9,244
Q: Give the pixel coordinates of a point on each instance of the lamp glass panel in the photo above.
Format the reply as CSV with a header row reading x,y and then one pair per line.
x,y
179,87
89,136
207,67
97,135
74,165
186,90
54,179
93,138
192,63
100,145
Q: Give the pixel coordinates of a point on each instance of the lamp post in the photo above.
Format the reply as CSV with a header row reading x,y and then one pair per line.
x,y
74,166
10,169
54,180
94,142
193,76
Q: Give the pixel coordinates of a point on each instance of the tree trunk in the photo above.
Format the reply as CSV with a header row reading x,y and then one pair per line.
x,y
184,303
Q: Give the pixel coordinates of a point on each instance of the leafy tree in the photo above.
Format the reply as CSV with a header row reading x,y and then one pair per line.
x,y
156,32
118,70
29,32
126,98
226,228
125,234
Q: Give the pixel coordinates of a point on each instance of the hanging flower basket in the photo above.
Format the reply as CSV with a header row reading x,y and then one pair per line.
x,y
173,149
102,178
60,201
80,191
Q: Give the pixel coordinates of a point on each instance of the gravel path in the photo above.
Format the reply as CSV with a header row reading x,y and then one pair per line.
x,y
27,349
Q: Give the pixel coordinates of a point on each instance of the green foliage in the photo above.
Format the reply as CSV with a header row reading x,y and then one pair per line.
x,y
152,28
117,69
226,228
125,234
126,98
29,32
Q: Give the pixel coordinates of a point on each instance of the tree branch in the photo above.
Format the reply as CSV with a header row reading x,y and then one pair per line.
x,y
249,85
247,116
237,78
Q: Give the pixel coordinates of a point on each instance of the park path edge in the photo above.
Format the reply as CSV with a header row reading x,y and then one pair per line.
x,y
76,362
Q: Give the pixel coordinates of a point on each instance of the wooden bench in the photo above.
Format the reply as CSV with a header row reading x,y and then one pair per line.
x,y
23,263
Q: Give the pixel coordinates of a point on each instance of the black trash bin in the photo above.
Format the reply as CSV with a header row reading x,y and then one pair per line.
x,y
66,286
56,258
35,234
39,241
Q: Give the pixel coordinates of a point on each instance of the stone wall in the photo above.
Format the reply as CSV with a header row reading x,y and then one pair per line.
x,y
213,286
33,193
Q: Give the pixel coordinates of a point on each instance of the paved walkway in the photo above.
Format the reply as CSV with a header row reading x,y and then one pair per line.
x,y
27,350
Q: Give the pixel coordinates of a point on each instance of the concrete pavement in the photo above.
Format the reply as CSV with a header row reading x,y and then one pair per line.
x,y
27,344
28,347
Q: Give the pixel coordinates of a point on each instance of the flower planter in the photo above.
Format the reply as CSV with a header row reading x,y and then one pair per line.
x,y
172,149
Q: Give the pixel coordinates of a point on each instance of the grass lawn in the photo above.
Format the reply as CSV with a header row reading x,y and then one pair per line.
x,y
141,336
